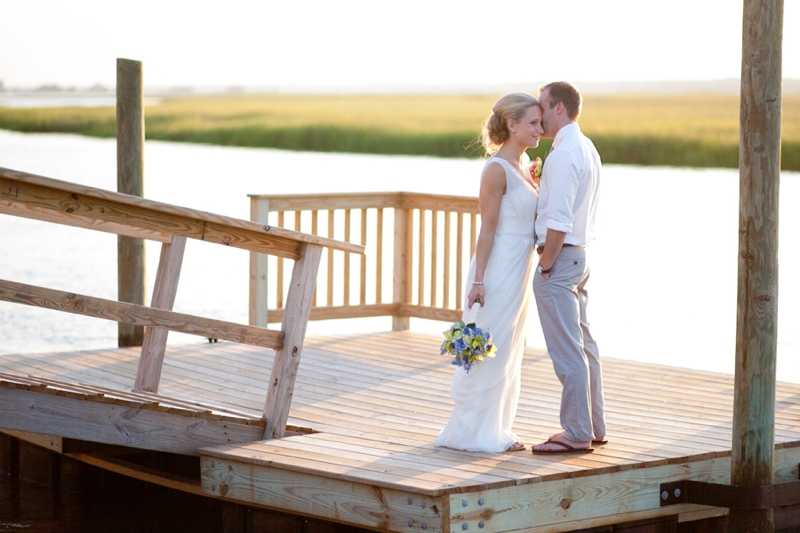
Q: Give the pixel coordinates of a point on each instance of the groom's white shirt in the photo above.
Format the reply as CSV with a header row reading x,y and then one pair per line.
x,y
570,188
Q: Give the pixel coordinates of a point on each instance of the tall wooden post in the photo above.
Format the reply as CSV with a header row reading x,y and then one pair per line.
x,y
402,272
130,180
757,307
259,264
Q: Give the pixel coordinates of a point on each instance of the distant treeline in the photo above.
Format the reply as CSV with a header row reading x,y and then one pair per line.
x,y
694,131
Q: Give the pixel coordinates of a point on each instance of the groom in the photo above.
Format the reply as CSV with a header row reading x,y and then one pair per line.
x,y
564,227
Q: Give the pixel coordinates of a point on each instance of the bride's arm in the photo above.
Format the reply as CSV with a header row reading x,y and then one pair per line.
x,y
493,187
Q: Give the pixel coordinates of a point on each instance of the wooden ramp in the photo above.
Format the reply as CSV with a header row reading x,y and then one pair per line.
x,y
135,419
374,403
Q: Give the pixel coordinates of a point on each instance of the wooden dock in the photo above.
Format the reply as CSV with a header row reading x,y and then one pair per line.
x,y
370,406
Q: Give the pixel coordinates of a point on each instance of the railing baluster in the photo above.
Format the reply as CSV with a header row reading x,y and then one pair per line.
x,y
409,258
428,262
446,282
279,271
421,287
459,259
314,231
401,266
379,259
434,253
363,257
330,259
473,229
346,258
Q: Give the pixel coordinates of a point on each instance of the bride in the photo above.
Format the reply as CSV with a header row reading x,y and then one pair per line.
x,y
499,279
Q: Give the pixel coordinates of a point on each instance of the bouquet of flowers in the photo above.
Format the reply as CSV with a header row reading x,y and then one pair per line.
x,y
468,344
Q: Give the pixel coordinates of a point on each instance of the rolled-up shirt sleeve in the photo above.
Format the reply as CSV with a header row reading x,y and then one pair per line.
x,y
563,190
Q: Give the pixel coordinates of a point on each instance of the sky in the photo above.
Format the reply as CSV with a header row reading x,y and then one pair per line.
x,y
271,43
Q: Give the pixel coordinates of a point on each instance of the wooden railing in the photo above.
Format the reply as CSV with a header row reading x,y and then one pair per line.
x,y
418,251
30,196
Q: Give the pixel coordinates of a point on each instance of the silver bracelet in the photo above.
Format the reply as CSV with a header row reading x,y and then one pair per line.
x,y
477,283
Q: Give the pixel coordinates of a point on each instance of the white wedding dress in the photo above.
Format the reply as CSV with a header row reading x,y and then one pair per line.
x,y
486,398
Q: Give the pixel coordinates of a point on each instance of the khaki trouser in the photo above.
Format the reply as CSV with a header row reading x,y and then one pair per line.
x,y
562,301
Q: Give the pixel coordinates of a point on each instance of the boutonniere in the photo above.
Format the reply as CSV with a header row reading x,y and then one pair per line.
x,y
536,170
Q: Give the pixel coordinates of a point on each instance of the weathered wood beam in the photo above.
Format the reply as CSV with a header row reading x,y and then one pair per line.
x,y
117,424
430,313
254,476
259,309
51,442
154,346
342,500
8,207
254,237
753,436
300,202
100,204
131,262
138,471
287,359
338,312
402,200
401,288
433,202
136,314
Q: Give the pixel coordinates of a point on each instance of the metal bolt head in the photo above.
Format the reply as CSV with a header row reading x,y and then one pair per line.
x,y
664,495
424,525
480,501
464,503
422,505
212,464
410,501
480,524
410,523
677,493
213,487
465,526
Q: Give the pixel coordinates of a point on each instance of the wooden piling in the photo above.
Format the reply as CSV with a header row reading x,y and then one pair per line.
x,y
757,307
130,180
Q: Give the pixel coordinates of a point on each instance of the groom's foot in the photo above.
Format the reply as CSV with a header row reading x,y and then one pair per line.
x,y
597,441
559,444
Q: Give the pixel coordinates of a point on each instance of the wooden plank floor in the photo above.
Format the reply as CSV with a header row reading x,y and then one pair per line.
x,y
394,388
375,403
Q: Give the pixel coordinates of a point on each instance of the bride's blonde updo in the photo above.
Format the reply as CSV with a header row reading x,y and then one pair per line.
x,y
512,106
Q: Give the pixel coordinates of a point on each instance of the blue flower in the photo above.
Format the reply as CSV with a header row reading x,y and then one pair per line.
x,y
468,344
459,346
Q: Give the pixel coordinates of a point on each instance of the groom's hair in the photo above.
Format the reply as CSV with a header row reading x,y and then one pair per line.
x,y
568,94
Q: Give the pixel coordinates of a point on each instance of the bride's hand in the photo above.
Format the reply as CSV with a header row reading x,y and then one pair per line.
x,y
476,293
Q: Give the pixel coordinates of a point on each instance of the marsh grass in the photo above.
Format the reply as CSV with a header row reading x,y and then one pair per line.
x,y
697,131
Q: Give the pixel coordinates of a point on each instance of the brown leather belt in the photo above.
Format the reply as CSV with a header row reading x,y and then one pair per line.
x,y
540,249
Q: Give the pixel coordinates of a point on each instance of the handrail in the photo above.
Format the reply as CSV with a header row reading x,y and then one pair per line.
x,y
31,196
433,240
67,202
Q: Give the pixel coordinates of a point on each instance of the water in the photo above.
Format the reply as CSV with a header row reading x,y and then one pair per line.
x,y
663,287
65,99
664,268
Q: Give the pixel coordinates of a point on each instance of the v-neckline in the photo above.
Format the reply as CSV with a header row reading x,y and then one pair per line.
x,y
516,170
